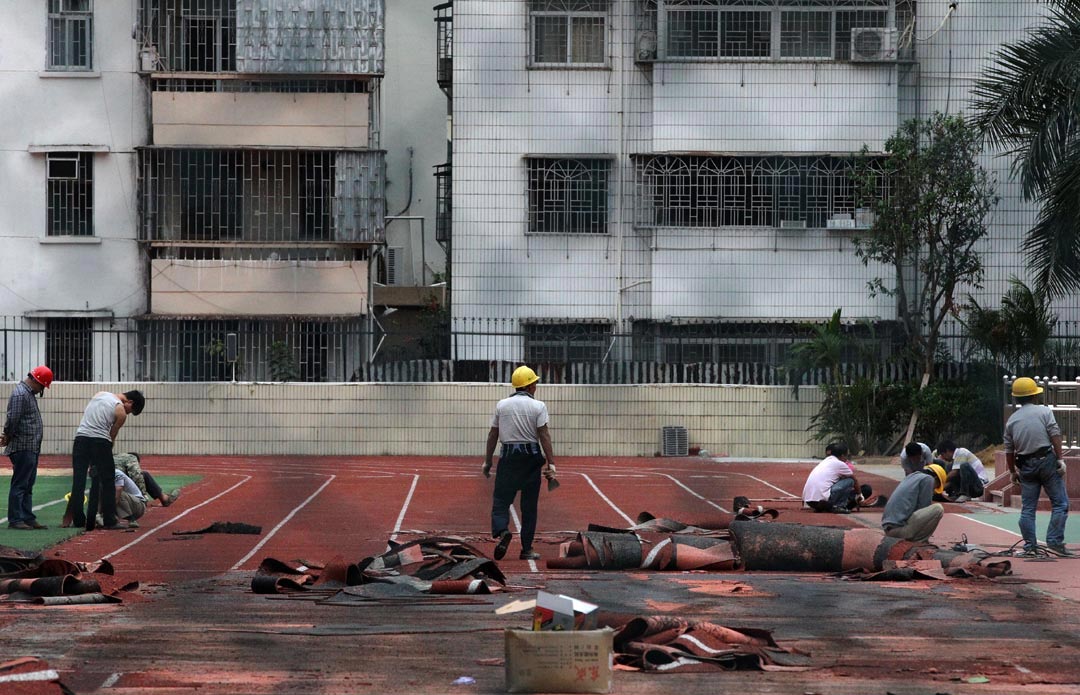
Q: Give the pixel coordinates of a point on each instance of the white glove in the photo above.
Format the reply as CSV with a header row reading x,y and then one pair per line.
x,y
1061,468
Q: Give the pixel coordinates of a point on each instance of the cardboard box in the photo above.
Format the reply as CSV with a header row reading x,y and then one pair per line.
x,y
572,661
559,612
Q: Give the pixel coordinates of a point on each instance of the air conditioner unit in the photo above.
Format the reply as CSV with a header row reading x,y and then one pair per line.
x,y
873,45
792,224
843,221
674,441
864,218
645,46
393,264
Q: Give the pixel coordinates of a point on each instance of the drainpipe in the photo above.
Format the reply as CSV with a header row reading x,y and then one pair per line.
x,y
620,165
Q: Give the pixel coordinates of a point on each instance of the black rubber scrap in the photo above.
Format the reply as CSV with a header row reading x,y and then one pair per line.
x,y
224,527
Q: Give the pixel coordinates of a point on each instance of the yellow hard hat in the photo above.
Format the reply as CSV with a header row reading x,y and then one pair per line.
x,y
940,473
522,377
1025,386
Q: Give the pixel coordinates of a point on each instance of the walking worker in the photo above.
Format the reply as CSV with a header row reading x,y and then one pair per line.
x,y
521,425
22,436
1034,458
105,414
911,513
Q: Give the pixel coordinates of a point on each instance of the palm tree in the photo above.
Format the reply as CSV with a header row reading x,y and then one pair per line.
x,y
1026,102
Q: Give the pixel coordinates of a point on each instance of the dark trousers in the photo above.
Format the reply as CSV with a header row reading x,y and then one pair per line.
x,y
80,462
94,455
21,495
152,488
518,471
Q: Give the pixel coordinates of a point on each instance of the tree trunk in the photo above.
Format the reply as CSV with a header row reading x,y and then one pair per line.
x,y
915,411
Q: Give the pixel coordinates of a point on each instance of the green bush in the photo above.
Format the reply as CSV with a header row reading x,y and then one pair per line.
x,y
866,414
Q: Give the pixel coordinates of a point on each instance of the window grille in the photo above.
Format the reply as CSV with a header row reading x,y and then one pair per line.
x,y
568,196
721,191
71,34
444,46
68,348
443,202
568,32
70,191
767,29
551,341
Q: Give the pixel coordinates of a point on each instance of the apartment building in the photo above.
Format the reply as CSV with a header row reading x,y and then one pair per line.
x,y
677,170
194,189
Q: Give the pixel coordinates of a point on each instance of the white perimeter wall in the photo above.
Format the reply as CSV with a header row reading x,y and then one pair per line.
x,y
250,419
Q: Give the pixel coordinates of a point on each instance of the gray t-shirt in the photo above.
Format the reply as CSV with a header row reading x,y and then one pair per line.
x,y
927,457
99,416
518,417
912,494
1029,429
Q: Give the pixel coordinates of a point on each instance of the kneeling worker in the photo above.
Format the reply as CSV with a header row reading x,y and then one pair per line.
x,y
831,486
911,513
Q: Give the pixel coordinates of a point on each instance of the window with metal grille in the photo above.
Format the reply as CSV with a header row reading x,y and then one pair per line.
x,y
568,32
796,192
568,196
547,341
766,29
70,193
71,34
68,348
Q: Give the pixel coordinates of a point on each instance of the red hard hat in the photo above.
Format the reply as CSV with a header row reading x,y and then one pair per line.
x,y
42,374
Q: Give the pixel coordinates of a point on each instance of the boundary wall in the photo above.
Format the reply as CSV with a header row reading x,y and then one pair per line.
x,y
436,419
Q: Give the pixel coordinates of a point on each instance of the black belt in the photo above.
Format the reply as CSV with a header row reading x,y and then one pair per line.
x,y
521,448
1040,453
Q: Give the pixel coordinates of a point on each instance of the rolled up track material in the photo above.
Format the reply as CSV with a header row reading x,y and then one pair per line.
x,y
784,547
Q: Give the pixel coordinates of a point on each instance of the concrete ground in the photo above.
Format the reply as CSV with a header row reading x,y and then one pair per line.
x,y
195,627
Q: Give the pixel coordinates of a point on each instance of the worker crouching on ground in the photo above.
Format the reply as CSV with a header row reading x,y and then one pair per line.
x,y
915,456
1034,457
966,477
521,425
911,513
831,486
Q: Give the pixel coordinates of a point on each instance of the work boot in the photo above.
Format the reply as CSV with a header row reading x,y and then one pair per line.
x,y
740,503
1027,552
503,545
529,555
1061,550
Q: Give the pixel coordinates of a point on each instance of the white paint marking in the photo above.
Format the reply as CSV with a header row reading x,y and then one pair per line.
x,y
747,475
32,676
173,520
36,507
983,523
281,523
111,681
647,562
517,522
605,498
703,499
404,508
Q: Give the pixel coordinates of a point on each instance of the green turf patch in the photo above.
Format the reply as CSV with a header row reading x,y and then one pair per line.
x,y
1010,521
49,505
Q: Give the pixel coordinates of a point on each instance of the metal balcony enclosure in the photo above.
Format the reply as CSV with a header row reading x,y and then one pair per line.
x,y
444,47
341,37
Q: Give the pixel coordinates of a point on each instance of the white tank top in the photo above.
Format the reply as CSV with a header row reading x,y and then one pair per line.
x,y
99,416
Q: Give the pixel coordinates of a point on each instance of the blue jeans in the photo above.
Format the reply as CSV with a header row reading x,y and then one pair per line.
x,y
21,496
1039,474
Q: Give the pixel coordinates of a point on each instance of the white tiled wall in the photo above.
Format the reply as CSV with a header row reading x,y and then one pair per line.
x,y
435,419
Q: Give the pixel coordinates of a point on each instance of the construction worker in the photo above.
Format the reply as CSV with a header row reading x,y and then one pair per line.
x,y
22,436
915,457
967,477
521,425
831,486
911,513
1035,461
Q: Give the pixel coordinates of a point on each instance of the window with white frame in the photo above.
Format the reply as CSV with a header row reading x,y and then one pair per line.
x,y
568,33
568,195
750,191
70,193
71,34
766,29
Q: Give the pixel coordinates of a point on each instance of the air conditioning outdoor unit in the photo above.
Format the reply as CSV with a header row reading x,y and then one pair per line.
x,y
873,45
674,441
792,224
840,221
645,46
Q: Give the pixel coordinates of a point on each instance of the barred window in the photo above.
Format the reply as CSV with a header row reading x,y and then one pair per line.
x,y
786,192
70,192
568,196
71,34
568,32
763,29
68,348
547,341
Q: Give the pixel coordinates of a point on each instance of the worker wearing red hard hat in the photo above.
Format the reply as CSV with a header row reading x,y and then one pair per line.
x,y
22,437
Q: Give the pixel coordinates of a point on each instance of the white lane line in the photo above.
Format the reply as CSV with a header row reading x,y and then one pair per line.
x,y
173,520
703,499
517,522
110,681
605,498
282,523
404,508
983,523
747,475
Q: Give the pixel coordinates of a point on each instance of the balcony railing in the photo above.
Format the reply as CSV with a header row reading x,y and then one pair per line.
x,y
444,47
261,197
342,37
443,204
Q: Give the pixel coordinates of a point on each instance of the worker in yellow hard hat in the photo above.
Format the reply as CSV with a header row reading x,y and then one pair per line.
x,y
911,513
521,425
1034,457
